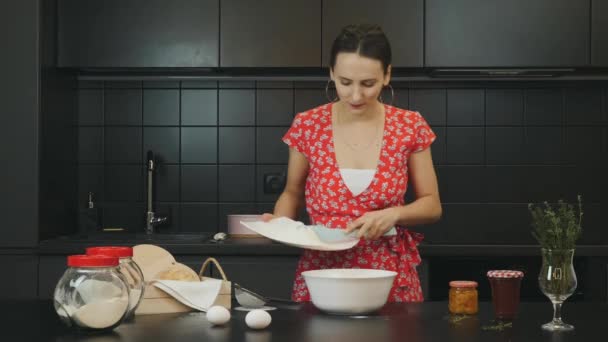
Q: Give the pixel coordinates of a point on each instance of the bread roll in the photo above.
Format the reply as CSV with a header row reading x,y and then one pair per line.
x,y
177,271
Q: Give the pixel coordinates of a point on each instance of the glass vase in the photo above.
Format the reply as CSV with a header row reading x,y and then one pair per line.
x,y
557,280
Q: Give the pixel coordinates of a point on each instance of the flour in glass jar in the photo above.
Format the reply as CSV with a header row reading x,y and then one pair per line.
x,y
99,314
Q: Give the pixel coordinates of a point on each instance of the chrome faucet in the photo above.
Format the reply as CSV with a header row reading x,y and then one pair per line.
x,y
151,219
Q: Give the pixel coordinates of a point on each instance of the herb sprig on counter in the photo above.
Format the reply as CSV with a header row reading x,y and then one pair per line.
x,y
498,326
558,226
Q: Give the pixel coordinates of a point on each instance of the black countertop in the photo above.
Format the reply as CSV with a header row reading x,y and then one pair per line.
x,y
37,321
202,245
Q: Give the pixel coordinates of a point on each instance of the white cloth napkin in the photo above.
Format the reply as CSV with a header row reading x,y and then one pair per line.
x,y
197,295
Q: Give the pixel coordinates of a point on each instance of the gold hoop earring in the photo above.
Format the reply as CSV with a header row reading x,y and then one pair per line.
x,y
392,95
327,92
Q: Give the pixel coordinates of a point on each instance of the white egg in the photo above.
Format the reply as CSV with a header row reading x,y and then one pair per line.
x,y
258,319
218,315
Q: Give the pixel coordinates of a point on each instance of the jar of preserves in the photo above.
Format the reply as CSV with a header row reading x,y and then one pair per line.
x,y
129,269
91,294
463,297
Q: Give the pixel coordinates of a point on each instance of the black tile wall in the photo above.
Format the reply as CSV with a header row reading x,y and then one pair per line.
x,y
237,183
199,145
123,107
198,107
161,107
465,107
90,107
237,107
237,145
164,142
499,146
431,103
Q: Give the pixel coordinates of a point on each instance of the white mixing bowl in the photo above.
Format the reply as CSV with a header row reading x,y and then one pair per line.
x,y
349,291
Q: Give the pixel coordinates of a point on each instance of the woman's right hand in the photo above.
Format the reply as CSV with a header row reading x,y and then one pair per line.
x,y
267,217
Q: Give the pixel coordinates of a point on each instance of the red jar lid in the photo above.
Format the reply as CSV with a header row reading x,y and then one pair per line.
x,y
463,283
121,252
92,261
505,274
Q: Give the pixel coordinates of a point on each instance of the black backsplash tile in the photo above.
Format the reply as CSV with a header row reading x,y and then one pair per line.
x,y
465,107
237,107
161,107
124,183
274,85
543,106
237,183
198,107
123,106
583,106
90,144
584,145
237,145
161,84
163,142
543,183
306,99
199,145
197,84
543,145
504,107
199,183
90,107
498,148
431,103
123,144
274,107
505,184
166,183
438,148
465,145
129,216
462,184
276,176
199,217
504,145
270,148
90,179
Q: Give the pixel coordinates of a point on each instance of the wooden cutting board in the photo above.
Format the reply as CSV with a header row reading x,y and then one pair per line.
x,y
152,260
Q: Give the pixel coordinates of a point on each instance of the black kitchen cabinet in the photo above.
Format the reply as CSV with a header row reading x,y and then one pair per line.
x,y
271,276
50,270
498,33
19,124
138,33
270,33
401,20
599,33
23,278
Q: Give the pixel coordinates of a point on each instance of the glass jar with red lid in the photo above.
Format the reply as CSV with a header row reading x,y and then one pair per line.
x,y
128,268
91,294
463,297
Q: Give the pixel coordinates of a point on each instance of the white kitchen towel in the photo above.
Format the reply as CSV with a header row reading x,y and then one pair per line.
x,y
199,295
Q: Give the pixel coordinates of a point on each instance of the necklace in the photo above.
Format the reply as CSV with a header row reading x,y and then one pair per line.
x,y
358,146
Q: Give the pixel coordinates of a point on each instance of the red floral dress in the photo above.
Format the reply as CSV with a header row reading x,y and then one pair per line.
x,y
330,202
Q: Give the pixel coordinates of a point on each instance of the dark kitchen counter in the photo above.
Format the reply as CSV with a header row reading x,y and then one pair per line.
x,y
37,321
183,244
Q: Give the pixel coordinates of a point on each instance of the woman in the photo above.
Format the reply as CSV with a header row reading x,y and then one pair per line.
x,y
351,161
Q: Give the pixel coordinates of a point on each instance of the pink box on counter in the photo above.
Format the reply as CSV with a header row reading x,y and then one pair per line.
x,y
236,229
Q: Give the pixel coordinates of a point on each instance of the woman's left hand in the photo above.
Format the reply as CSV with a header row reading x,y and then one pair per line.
x,y
374,224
